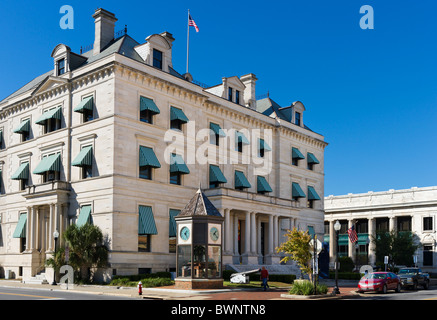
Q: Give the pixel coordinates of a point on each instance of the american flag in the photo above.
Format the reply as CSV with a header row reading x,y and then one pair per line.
x,y
353,237
192,23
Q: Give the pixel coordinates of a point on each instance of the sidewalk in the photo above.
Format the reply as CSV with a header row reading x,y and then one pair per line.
x,y
170,293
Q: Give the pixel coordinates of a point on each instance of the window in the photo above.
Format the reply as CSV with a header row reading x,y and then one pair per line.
x,y
175,178
87,172
427,255
50,176
310,204
146,116
146,172
52,125
86,107
237,96
146,228
427,224
24,182
157,59
297,118
50,119
61,67
230,94
144,243
1,139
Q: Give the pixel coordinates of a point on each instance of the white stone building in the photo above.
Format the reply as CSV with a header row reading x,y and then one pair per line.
x,y
109,137
412,210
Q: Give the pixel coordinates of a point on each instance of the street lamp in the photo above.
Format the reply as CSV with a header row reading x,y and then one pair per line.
x,y
337,227
55,236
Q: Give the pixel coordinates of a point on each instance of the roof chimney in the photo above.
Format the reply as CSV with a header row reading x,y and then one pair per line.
x,y
104,29
249,81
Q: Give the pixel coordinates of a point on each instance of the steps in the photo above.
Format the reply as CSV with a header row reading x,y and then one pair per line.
x,y
38,279
272,269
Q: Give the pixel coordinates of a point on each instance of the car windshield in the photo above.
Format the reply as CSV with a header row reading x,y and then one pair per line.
x,y
407,271
377,276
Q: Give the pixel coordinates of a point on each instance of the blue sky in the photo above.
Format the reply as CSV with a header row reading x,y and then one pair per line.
x,y
371,93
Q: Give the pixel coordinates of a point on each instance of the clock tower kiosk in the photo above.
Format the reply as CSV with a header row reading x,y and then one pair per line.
x,y
199,245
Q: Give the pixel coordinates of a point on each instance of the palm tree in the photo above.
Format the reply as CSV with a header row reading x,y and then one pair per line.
x,y
87,249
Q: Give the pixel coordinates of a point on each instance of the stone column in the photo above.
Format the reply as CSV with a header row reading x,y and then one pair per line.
x,y
332,241
236,256
32,228
228,232
392,223
51,226
351,246
372,233
28,229
259,251
253,234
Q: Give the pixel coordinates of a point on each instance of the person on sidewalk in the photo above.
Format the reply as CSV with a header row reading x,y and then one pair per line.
x,y
264,278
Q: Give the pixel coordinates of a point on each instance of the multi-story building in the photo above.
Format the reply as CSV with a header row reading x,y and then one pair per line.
x,y
410,210
115,136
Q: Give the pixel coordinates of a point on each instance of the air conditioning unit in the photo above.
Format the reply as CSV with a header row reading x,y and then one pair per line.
x,y
51,177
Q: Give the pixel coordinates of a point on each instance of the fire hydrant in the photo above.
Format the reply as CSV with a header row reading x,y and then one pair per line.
x,y
140,288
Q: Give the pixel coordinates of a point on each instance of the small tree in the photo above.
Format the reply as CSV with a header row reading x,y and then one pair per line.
x,y
298,248
87,249
398,246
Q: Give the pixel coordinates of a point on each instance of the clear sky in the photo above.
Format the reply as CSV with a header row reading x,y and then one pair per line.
x,y
371,93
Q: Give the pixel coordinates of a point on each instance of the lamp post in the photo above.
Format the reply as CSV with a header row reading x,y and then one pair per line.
x,y
337,227
55,236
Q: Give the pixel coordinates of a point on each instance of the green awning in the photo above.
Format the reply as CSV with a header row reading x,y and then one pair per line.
x,y
84,216
239,137
296,191
312,158
262,184
84,158
49,163
343,239
85,104
241,180
23,127
148,104
312,194
22,173
362,238
296,154
172,223
146,221
177,164
20,229
178,114
55,113
148,158
216,175
264,145
217,129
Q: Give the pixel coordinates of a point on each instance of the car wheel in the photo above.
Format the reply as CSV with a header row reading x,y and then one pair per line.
x,y
415,285
426,285
384,289
398,288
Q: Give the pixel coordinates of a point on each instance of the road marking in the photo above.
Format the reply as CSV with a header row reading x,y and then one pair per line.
x,y
27,295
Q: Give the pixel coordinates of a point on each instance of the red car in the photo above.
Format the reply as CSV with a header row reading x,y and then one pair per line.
x,y
379,281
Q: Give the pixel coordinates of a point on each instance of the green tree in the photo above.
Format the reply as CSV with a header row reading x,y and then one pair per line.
x,y
87,250
298,248
398,246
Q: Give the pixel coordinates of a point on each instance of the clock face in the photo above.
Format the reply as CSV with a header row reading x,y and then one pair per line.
x,y
185,233
214,233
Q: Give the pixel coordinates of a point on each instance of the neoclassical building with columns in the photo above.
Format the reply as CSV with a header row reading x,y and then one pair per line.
x,y
409,210
116,137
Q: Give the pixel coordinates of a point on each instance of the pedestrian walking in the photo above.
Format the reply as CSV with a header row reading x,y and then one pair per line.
x,y
265,278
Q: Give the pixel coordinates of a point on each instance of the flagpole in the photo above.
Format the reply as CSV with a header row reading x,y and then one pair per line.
x,y
188,36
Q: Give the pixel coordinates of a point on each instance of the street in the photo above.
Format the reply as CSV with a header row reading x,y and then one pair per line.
x,y
43,294
430,294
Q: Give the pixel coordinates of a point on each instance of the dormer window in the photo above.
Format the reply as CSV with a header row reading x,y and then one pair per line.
x,y
230,94
157,59
297,118
61,67
237,97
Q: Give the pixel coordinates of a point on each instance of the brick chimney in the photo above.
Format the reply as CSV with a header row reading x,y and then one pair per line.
x,y
104,29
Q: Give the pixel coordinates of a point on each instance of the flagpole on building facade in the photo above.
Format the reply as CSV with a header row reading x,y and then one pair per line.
x,y
188,36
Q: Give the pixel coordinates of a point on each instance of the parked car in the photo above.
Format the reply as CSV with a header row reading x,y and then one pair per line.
x,y
380,282
413,277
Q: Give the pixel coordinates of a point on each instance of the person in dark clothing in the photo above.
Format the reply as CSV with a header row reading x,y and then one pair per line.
x,y
264,278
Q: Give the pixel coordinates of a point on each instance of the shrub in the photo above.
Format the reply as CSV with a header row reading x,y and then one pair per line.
x,y
306,288
148,280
